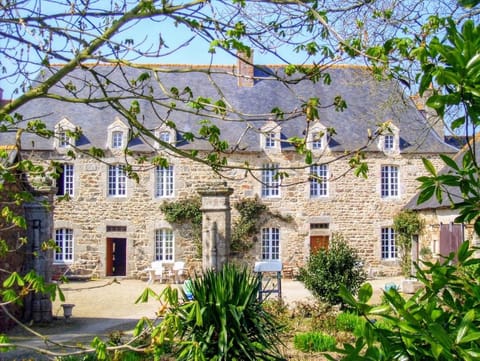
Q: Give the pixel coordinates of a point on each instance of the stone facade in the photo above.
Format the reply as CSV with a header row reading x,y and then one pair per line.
x,y
353,208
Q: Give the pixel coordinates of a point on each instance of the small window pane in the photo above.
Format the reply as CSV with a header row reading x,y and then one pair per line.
x,y
65,181
164,181
389,181
389,249
388,142
63,140
165,137
319,181
117,181
270,244
270,183
270,140
164,245
64,243
317,141
117,139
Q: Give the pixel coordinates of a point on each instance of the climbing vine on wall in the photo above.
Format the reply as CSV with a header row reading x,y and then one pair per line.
x,y
252,215
406,224
186,211
247,225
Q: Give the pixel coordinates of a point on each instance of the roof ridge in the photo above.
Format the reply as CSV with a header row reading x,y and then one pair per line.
x,y
154,65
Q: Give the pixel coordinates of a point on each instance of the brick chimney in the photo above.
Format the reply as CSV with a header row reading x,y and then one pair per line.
x,y
245,70
434,121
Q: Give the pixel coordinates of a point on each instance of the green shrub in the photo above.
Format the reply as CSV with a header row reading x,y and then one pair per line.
x,y
314,342
326,270
439,322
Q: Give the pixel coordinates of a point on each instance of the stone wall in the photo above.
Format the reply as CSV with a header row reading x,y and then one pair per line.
x,y
353,208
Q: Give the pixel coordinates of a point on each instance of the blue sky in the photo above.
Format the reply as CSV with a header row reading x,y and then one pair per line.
x,y
147,33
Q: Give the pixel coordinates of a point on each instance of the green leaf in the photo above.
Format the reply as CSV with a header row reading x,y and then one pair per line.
x,y
449,162
429,166
365,293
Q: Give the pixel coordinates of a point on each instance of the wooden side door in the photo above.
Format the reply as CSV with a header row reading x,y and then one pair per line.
x,y
318,242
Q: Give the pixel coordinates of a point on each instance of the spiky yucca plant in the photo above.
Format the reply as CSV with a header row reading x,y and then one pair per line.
x,y
225,320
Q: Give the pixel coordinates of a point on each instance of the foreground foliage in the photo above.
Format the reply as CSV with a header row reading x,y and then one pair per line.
x,y
329,268
439,322
224,321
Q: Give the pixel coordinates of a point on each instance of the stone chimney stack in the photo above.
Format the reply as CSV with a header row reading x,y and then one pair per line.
x,y
245,70
434,121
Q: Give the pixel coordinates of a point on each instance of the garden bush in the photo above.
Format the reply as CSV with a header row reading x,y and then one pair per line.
x,y
327,269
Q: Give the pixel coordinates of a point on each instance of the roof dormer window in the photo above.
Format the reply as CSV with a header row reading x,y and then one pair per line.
x,y
317,137
165,134
64,135
117,135
389,140
270,136
117,139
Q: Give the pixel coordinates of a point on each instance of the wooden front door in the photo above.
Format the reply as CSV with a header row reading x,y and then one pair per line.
x,y
116,257
318,242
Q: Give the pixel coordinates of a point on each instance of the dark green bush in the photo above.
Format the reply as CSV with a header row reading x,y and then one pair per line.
x,y
314,342
326,270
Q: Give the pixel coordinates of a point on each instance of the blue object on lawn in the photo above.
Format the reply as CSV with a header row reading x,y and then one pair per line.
x,y
187,289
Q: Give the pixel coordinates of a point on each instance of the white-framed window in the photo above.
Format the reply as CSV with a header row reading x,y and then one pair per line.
x,y
317,142
62,139
164,242
389,139
117,134
270,182
389,248
317,136
63,252
319,181
164,181
166,135
65,180
117,139
389,180
270,244
117,181
389,142
270,137
270,140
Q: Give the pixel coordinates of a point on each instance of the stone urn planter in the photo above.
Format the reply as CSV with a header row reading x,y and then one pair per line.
x,y
67,310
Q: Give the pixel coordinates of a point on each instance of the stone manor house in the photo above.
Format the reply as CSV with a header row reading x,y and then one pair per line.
x,y
112,224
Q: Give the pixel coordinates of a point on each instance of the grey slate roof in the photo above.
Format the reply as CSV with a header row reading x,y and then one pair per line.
x,y
369,102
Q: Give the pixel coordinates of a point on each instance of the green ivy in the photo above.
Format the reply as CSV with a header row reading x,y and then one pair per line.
x,y
186,211
247,225
406,224
251,212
